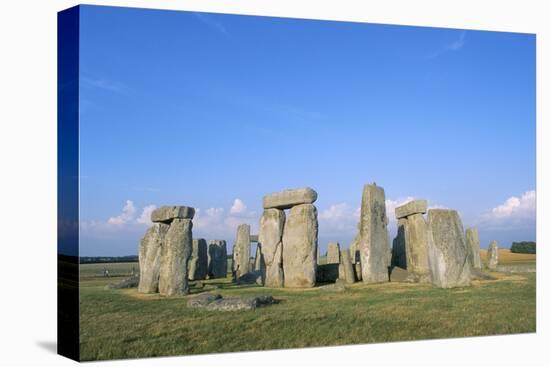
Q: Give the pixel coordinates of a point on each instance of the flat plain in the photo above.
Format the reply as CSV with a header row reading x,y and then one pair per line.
x,y
120,323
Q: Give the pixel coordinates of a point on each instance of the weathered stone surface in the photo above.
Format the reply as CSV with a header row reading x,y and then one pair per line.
x,y
236,303
169,213
288,198
217,259
472,241
333,253
202,300
358,272
300,247
327,273
175,254
354,252
410,208
130,282
259,263
252,277
241,251
492,255
401,275
272,224
416,247
149,258
447,251
198,263
399,255
374,241
254,238
345,269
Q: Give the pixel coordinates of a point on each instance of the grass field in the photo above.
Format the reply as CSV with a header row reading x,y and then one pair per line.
x,y
505,257
125,324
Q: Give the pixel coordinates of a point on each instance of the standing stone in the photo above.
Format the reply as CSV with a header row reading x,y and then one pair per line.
x,y
447,251
374,241
416,247
272,224
288,198
217,259
149,258
198,263
241,251
175,253
259,264
492,255
345,269
300,247
472,241
399,254
333,253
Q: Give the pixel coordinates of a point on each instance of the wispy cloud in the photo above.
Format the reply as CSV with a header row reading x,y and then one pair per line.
x,y
207,20
453,46
105,84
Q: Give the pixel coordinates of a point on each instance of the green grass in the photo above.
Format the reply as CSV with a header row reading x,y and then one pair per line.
x,y
115,269
125,324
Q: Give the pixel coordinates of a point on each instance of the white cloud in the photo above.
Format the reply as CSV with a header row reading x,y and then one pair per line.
x,y
128,212
145,217
238,207
516,212
518,207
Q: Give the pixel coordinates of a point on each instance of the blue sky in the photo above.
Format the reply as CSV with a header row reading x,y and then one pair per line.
x,y
215,111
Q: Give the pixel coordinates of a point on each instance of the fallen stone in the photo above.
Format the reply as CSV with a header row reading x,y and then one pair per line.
x,y
241,251
252,277
447,251
410,208
217,259
289,198
401,275
198,263
169,213
202,300
472,241
333,253
149,258
239,304
271,240
345,268
175,253
492,255
300,247
374,241
131,282
254,238
520,268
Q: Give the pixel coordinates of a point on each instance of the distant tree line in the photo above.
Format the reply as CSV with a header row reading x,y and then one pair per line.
x,y
524,247
108,259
